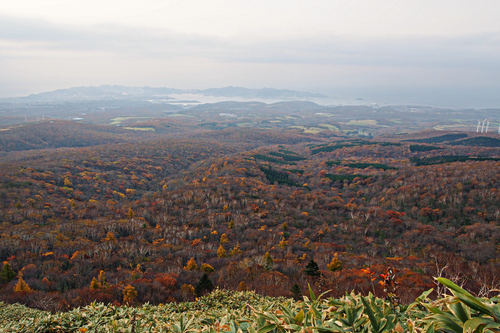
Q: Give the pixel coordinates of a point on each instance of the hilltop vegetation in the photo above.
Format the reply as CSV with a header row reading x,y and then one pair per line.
x,y
460,139
248,312
442,138
47,134
479,141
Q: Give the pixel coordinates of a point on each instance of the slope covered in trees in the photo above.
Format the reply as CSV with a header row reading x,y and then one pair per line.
x,y
50,134
442,138
158,221
480,141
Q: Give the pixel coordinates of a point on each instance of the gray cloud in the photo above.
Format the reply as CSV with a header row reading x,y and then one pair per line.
x,y
64,56
468,51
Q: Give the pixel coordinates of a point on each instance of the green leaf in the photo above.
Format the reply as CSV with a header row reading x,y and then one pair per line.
x,y
424,295
371,316
459,311
475,304
467,298
311,292
478,324
429,328
495,309
287,311
349,315
382,324
443,321
268,316
292,327
335,302
315,311
323,294
358,313
452,286
267,328
325,329
299,318
333,325
434,310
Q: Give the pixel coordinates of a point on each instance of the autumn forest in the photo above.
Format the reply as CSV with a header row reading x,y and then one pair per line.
x,y
102,213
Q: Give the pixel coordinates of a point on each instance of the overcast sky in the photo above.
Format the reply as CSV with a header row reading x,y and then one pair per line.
x,y
440,52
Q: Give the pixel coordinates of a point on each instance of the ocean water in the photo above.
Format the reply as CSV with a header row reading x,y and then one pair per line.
x,y
190,100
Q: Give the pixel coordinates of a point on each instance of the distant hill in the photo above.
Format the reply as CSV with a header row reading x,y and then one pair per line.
x,y
458,139
480,141
58,134
441,138
97,93
107,92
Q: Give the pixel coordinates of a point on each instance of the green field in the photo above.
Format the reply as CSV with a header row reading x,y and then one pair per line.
x,y
246,124
330,127
140,128
119,120
364,122
312,130
174,115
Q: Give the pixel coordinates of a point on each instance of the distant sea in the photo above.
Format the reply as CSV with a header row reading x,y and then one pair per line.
x,y
190,100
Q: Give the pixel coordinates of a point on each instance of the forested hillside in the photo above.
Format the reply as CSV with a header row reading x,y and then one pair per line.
x,y
168,219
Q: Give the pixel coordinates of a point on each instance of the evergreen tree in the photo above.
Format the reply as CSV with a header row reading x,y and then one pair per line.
x,y
312,268
204,285
7,273
296,291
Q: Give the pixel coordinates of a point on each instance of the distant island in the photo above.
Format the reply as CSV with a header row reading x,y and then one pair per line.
x,y
114,92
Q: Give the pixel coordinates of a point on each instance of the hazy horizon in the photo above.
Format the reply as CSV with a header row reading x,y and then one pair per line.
x,y
439,53
433,98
